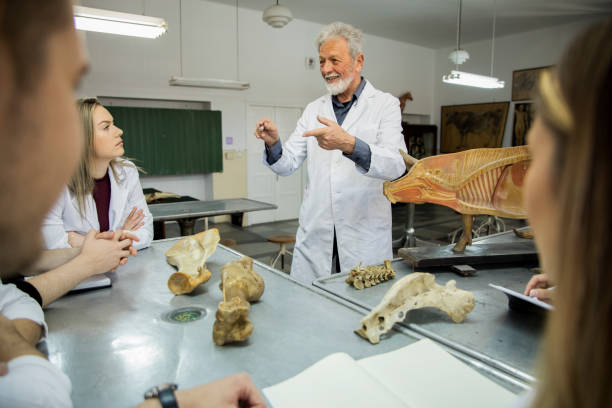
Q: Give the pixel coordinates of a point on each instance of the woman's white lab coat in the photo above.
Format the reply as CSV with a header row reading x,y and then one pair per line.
x,y
341,193
126,193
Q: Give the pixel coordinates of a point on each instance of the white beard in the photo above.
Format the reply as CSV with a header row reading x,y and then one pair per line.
x,y
339,86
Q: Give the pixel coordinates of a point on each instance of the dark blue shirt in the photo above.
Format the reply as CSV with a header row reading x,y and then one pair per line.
x,y
361,153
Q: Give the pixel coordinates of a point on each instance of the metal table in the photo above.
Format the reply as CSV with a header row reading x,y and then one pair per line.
x,y
491,333
114,343
187,212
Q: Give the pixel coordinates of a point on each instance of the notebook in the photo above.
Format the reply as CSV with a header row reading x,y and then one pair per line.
x,y
421,375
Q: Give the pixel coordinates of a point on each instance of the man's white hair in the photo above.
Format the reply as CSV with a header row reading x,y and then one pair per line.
x,y
353,36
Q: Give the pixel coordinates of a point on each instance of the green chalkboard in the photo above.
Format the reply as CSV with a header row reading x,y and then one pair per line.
x,y
171,141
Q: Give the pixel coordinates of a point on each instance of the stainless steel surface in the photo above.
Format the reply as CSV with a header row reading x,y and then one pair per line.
x,y
491,333
196,209
114,343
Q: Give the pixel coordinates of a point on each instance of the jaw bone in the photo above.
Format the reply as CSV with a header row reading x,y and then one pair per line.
x,y
415,291
241,285
189,255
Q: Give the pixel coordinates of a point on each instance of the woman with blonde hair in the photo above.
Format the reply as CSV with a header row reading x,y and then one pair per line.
x,y
568,195
105,192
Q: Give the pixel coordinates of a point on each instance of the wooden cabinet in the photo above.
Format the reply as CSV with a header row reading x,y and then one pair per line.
x,y
421,140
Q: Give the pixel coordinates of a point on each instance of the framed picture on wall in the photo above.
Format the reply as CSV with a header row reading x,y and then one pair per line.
x,y
523,118
472,126
524,82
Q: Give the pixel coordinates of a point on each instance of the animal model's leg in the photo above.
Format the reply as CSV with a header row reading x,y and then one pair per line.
x,y
466,235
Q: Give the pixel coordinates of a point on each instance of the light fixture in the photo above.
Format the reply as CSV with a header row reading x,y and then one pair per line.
x,y
465,78
207,82
114,22
459,56
277,16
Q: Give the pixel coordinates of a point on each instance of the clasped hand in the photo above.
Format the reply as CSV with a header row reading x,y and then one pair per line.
x,y
108,250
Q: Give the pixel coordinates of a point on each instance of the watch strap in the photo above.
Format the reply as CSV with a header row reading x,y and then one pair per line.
x,y
167,398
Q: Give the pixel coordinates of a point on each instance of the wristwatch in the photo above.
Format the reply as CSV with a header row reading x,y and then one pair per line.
x,y
165,394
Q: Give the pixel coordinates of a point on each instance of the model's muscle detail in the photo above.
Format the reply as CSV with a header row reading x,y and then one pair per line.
x,y
477,181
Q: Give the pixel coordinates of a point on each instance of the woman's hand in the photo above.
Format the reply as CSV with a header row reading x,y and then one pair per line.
x,y
539,286
134,220
75,239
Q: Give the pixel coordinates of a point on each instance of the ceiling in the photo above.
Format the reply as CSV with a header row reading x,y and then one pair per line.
x,y
433,23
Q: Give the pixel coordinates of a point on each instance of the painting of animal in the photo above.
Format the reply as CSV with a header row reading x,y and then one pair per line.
x,y
472,126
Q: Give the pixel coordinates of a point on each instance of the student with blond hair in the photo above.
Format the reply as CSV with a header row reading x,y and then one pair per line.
x,y
568,194
105,193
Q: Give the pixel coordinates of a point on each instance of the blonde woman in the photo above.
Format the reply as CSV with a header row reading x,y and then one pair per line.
x,y
568,195
105,193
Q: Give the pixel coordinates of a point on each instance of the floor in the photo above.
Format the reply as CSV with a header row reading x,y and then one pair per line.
x,y
433,224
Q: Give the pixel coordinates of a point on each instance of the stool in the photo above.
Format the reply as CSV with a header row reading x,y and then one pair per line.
x,y
228,242
282,240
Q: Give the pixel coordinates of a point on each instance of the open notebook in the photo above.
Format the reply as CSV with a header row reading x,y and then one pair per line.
x,y
421,375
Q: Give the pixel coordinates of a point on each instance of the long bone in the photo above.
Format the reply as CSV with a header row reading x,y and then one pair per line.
x,y
189,255
414,291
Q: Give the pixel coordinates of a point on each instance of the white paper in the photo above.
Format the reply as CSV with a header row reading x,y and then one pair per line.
x,y
95,281
335,381
421,375
424,375
529,299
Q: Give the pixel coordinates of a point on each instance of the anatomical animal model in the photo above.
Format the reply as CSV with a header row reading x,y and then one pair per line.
x,y
189,255
241,285
415,291
478,181
370,275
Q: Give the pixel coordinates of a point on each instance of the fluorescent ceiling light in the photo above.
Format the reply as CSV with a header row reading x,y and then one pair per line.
x,y
209,83
465,78
114,22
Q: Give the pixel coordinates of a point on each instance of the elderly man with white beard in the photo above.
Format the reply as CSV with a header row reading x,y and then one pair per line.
x,y
350,140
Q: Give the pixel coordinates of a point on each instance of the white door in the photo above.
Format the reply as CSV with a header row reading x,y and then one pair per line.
x,y
263,183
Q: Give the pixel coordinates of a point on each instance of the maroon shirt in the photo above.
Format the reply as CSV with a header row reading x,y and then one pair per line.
x,y
102,196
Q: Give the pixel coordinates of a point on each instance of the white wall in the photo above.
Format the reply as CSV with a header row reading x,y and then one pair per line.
x,y
525,50
272,60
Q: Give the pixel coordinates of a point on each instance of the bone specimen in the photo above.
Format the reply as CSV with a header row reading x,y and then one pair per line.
x,y
370,275
189,255
158,195
477,181
526,233
241,285
415,291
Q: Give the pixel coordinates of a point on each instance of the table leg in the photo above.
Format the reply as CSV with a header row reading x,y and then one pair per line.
x,y
186,226
237,219
159,229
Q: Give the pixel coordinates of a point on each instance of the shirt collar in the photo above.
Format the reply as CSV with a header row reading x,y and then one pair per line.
x,y
356,95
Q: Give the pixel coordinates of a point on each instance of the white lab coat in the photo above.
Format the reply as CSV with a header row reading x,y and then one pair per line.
x,y
31,381
341,193
126,193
